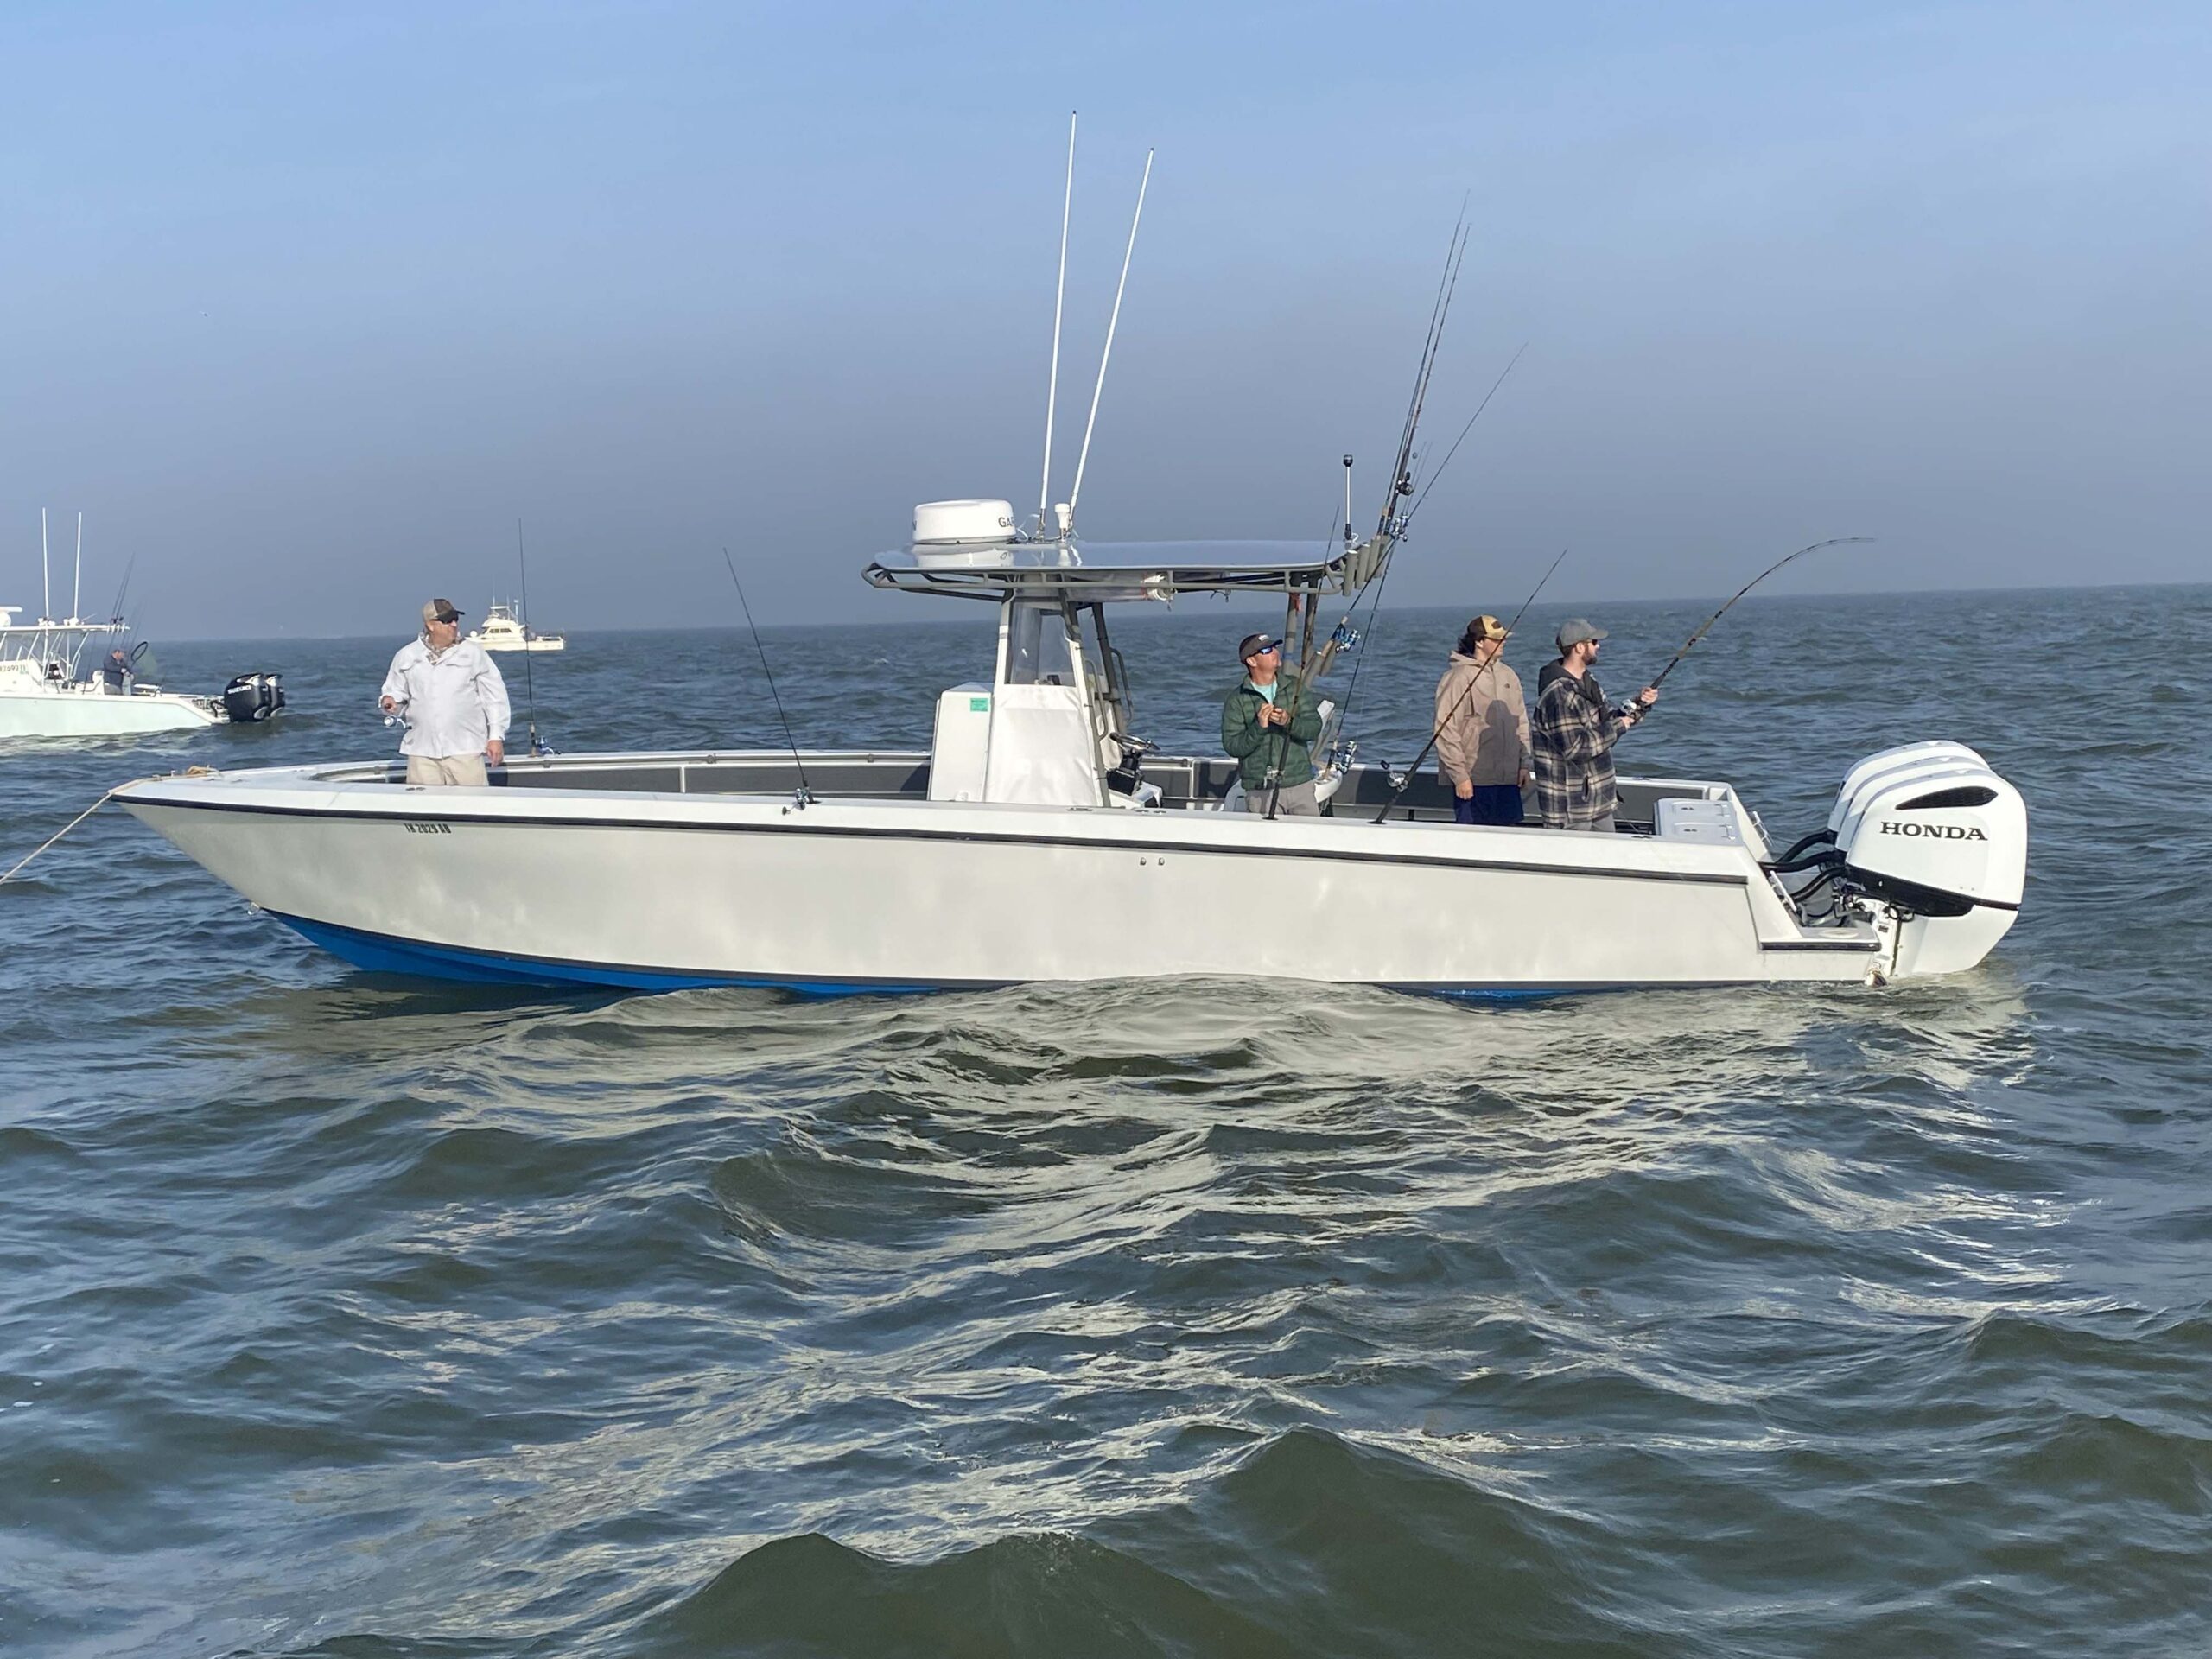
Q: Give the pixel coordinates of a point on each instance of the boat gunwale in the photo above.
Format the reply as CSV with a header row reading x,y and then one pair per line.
x,y
1217,833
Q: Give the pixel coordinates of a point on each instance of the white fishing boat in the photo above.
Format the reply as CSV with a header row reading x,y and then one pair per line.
x,y
503,629
41,694
48,689
1040,838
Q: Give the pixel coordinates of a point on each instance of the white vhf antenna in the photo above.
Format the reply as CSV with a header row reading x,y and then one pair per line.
x,y
77,584
45,580
1075,494
1060,299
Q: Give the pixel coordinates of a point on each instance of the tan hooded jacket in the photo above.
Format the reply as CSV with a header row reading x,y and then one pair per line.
x,y
1483,736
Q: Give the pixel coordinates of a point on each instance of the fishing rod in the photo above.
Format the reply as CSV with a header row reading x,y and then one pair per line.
x,y
1400,483
115,611
1837,541
1406,781
528,685
1343,629
802,796
1438,473
1388,524
1375,609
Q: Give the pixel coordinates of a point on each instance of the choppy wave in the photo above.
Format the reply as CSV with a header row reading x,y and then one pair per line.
x,y
358,1316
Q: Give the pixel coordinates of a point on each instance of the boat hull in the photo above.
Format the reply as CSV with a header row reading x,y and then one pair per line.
x,y
662,891
80,713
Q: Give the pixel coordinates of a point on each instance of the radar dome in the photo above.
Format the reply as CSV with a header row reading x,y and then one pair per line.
x,y
963,523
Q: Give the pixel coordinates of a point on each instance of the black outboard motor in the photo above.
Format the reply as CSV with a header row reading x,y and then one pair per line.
x,y
251,697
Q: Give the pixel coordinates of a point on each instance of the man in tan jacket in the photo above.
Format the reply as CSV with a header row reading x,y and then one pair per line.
x,y
1481,728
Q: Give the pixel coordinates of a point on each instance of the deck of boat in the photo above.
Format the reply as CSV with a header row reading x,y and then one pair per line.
x,y
1186,781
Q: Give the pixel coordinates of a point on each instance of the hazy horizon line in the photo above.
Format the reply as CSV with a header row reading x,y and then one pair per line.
x,y
979,611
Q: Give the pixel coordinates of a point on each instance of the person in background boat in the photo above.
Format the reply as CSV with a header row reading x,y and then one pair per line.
x,y
1481,728
1269,724
447,692
1574,731
113,671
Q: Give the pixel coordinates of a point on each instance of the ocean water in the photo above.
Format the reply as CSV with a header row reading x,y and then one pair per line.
x,y
360,1316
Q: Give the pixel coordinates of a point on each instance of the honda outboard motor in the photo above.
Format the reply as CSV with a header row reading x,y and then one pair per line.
x,y
251,697
1939,843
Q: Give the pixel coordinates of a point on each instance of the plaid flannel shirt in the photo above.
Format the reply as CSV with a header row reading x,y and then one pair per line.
x,y
1573,731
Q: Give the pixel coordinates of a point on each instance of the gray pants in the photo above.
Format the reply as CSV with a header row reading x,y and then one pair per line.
x,y
1292,801
447,769
1604,826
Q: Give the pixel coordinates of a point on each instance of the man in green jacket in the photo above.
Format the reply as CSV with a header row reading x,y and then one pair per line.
x,y
1269,724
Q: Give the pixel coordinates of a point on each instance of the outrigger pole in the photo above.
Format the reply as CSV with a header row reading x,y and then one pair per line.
x,y
1060,300
1112,322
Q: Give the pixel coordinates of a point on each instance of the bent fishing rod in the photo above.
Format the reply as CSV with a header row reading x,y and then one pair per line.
x,y
1836,541
804,795
1405,782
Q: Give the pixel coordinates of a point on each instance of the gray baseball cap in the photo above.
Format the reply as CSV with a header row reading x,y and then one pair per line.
x,y
440,610
1574,631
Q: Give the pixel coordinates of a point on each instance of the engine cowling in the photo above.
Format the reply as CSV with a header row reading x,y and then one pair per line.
x,y
1935,834
251,697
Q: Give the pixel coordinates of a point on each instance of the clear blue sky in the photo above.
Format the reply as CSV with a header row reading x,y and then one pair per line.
x,y
305,304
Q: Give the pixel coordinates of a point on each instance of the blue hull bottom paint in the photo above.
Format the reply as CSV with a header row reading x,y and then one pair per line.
x,y
382,953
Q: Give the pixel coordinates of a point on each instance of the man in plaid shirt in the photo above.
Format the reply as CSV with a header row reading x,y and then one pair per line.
x,y
1573,732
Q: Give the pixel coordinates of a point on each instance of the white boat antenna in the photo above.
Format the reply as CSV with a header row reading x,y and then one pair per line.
x,y
45,581
1075,494
77,584
1060,299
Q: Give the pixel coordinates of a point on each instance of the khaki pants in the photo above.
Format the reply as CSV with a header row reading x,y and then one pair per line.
x,y
1293,801
447,769
1604,826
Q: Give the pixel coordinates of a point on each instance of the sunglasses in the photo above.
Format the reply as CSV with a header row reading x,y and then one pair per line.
x,y
1268,651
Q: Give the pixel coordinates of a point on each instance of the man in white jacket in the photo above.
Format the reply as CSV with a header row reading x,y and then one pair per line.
x,y
448,693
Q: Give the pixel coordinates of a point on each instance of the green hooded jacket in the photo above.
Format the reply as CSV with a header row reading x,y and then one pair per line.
x,y
1258,748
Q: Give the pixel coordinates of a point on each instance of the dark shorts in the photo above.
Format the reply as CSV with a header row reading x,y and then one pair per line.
x,y
1499,804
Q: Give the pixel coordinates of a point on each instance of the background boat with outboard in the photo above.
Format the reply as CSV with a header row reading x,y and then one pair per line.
x,y
63,678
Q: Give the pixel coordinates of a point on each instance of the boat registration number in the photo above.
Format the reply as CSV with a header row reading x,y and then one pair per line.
x,y
429,829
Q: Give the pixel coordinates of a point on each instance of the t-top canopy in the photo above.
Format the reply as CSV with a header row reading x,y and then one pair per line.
x,y
1105,571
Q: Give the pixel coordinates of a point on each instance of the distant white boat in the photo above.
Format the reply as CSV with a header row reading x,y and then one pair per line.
x,y
47,691
40,695
503,630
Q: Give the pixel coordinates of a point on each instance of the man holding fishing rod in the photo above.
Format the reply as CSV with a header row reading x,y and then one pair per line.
x,y
1481,728
1575,730
1269,724
447,692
